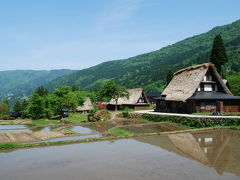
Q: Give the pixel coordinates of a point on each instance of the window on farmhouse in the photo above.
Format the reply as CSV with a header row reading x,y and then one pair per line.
x,y
213,106
202,105
141,100
210,78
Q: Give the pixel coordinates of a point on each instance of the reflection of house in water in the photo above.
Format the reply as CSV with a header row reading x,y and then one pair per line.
x,y
213,149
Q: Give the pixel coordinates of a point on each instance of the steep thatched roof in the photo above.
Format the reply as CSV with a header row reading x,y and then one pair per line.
x,y
87,105
186,81
134,95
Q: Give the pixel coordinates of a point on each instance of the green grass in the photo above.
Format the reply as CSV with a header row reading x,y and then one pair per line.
x,y
120,132
76,119
203,113
9,145
234,127
44,122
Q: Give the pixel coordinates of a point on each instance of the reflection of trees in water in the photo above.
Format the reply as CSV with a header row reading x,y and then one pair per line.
x,y
101,127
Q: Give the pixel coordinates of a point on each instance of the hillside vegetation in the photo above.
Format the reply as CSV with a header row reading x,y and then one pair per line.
x,y
149,70
21,82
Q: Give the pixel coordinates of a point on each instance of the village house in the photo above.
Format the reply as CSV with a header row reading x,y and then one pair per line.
x,y
151,96
86,107
197,89
137,100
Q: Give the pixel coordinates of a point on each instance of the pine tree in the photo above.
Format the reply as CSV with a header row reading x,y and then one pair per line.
x,y
218,54
17,107
42,91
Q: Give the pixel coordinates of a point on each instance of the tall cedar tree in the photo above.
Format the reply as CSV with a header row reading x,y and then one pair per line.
x,y
218,54
42,91
17,107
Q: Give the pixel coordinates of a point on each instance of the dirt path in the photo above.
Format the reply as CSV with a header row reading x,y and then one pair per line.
x,y
114,115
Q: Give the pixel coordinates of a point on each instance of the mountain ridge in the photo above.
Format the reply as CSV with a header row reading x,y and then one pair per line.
x,y
146,70
22,82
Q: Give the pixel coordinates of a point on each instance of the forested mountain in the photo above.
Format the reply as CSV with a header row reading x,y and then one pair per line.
x,y
149,70
17,83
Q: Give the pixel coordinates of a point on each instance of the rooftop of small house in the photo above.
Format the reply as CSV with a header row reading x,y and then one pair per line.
x,y
134,96
153,94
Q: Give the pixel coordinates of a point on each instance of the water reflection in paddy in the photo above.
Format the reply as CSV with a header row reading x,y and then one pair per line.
x,y
73,138
82,130
209,155
23,128
13,128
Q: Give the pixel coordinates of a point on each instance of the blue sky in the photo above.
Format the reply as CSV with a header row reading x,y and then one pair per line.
x,y
76,34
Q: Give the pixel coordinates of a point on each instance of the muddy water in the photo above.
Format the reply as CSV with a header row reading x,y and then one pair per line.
x,y
198,156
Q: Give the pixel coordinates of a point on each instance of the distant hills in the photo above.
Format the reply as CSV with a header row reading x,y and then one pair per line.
x,y
19,83
149,70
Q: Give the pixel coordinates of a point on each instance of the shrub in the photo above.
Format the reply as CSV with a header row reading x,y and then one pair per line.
x,y
190,122
98,115
6,117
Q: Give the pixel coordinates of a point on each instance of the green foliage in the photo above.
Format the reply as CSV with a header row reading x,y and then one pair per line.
x,y
8,145
36,107
169,76
125,112
75,88
42,91
17,107
149,70
4,108
102,115
6,117
44,122
48,105
20,83
111,90
193,122
218,54
234,82
119,132
76,119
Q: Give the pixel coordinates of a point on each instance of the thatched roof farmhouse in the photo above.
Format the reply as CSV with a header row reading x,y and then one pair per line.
x,y
197,88
137,100
86,107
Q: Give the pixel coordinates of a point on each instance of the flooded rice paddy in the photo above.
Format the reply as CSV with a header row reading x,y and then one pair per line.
x,y
23,128
82,130
153,128
31,134
199,156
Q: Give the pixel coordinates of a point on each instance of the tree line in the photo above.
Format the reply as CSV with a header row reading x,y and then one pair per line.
x,y
43,104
